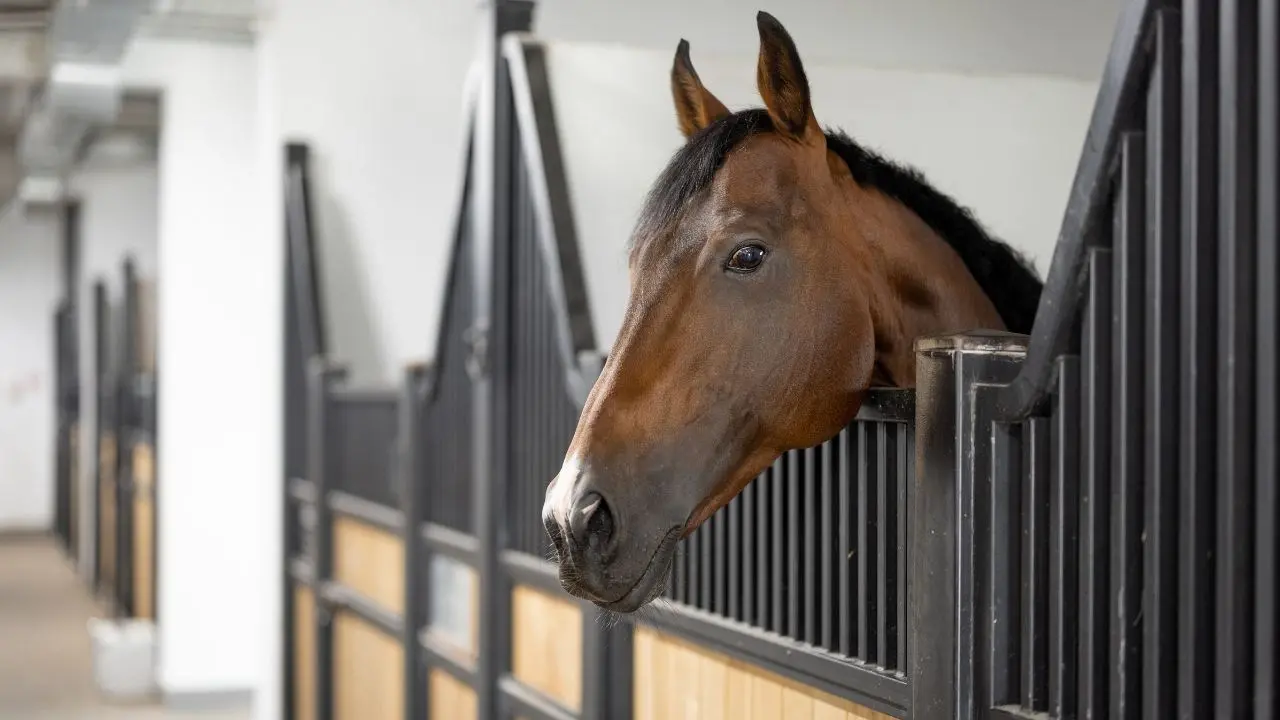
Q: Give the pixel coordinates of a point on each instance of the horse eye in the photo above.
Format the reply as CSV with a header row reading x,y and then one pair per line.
x,y
746,258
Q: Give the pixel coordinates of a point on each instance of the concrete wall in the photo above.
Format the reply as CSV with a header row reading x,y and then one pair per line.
x,y
30,288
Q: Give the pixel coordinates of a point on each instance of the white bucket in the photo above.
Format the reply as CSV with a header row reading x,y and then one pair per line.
x,y
123,657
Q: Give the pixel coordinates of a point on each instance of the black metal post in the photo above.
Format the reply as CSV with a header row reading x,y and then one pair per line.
x,y
412,404
320,379
955,409
491,217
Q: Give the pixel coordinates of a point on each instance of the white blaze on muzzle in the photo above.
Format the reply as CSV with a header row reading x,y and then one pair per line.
x,y
560,496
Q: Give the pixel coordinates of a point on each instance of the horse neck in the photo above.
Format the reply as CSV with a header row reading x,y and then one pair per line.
x,y
917,286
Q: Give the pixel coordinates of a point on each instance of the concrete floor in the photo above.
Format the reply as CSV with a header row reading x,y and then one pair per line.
x,y
45,665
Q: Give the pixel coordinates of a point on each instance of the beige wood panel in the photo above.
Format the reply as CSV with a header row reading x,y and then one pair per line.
x,y
678,680
450,698
107,516
370,561
143,531
368,671
304,649
547,644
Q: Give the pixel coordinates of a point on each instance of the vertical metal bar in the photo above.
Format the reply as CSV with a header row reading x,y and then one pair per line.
x,y
778,539
1236,327
1197,410
1266,682
693,550
416,576
764,550
706,540
1128,238
1095,488
955,408
1063,529
719,587
844,540
1160,406
811,527
906,477
733,591
491,247
749,553
320,379
795,559
1004,557
1034,653
884,462
866,443
827,532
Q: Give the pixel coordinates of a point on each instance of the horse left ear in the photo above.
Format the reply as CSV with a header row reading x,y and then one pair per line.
x,y
781,81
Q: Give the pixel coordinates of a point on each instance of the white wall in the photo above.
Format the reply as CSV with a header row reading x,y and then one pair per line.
x,y
220,355
30,286
376,87
1048,37
117,185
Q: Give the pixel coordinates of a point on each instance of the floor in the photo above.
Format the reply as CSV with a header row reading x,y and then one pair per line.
x,y
45,666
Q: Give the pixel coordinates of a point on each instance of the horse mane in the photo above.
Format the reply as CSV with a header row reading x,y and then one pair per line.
x,y
1002,273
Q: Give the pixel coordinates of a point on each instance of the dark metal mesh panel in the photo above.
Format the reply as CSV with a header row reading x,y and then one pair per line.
x,y
814,549
447,418
363,444
542,416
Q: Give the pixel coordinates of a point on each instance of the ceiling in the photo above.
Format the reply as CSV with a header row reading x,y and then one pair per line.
x,y
58,88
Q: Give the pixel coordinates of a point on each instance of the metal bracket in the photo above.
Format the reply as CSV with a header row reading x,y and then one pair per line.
x,y
476,339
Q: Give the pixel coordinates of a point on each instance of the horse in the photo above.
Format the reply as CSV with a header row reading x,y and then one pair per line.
x,y
777,272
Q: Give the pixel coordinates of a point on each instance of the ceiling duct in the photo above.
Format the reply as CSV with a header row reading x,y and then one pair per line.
x,y
87,39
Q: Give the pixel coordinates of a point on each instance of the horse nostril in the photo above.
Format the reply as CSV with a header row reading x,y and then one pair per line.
x,y
592,523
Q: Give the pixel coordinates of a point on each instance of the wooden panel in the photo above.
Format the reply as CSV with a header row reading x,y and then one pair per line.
x,y
370,561
547,645
725,688
143,531
368,671
304,648
449,698
107,514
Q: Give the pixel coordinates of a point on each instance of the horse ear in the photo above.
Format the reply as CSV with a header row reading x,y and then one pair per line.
x,y
781,80
696,107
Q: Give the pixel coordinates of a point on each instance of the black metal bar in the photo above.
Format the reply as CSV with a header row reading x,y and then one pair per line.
x,y
1095,488
844,542
693,553
778,541
1128,368
520,700
366,511
320,377
341,598
416,572
881,556
1063,528
1034,653
441,655
1003,560
1238,246
525,569
491,223
865,588
906,479
720,580
1160,407
750,550
764,550
829,565
443,540
810,566
706,577
1266,682
735,541
882,691
956,405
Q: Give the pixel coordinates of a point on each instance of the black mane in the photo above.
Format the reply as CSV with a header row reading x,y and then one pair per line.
x,y
1004,275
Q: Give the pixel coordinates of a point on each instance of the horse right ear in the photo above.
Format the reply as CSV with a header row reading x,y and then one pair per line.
x,y
696,107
